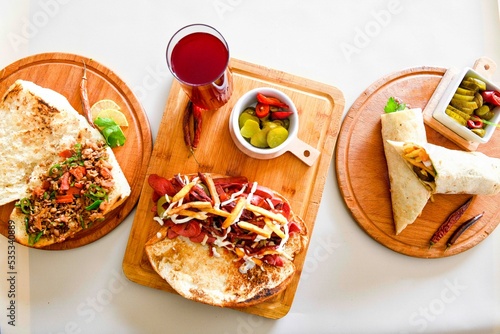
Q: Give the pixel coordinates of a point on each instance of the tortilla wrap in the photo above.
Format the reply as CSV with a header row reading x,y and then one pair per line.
x,y
459,172
408,195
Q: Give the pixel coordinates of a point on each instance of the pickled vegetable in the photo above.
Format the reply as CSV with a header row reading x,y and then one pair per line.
x,y
482,110
250,128
277,136
245,116
468,103
260,138
266,125
460,120
479,132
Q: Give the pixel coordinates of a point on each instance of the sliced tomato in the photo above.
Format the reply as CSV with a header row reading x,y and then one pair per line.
x,y
38,191
78,172
66,154
73,191
68,198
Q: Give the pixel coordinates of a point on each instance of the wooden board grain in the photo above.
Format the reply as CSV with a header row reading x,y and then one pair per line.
x,y
320,108
362,171
62,72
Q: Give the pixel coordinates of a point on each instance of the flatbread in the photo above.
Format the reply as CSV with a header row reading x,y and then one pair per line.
x,y
408,195
459,172
37,124
210,274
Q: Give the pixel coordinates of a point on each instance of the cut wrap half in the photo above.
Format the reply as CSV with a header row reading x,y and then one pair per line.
x,y
408,195
446,171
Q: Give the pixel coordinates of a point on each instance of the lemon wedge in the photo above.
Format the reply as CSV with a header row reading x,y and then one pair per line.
x,y
103,105
115,114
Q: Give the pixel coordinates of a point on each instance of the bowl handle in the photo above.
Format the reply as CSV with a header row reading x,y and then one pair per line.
x,y
485,66
303,151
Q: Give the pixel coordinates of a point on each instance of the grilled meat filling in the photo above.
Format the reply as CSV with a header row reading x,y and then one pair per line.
x,y
72,195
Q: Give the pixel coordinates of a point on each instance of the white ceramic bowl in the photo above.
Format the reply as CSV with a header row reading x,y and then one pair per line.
x,y
249,99
440,111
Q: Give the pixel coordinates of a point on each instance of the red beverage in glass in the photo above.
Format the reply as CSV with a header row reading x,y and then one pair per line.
x,y
198,57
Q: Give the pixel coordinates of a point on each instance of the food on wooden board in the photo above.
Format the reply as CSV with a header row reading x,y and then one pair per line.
x,y
45,142
473,105
408,195
446,171
223,240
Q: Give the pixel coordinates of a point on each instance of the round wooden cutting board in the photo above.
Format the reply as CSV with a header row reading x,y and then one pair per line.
x,y
63,72
364,182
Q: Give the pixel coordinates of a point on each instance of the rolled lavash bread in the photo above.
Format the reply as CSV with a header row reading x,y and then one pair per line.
x,y
460,172
408,195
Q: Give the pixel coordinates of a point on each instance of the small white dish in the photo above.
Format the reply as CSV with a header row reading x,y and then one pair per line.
x,y
303,151
440,111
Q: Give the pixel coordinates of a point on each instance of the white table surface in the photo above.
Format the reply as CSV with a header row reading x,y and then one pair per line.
x,y
350,283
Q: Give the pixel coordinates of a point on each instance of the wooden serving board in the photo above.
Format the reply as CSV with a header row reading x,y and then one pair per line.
x,y
320,108
364,182
62,72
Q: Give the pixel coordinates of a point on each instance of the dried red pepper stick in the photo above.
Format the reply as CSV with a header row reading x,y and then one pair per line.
x,y
84,97
464,227
450,221
197,124
185,125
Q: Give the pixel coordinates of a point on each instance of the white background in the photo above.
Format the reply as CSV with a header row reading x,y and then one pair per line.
x,y
350,283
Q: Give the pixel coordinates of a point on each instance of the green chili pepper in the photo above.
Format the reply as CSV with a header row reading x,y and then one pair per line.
x,y
56,170
94,205
82,222
33,239
96,191
25,205
160,210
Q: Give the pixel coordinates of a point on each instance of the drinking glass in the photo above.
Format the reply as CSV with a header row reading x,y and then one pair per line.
x,y
198,57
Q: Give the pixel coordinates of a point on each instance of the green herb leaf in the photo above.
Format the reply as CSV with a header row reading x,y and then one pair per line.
x,y
111,131
393,105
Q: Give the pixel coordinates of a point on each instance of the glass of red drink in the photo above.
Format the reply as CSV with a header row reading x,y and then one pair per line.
x,y
198,57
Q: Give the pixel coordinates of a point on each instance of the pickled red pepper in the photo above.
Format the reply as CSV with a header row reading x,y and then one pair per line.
x,y
272,101
450,221
491,96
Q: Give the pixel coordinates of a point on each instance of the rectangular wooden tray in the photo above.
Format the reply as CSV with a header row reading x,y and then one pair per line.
x,y
320,109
